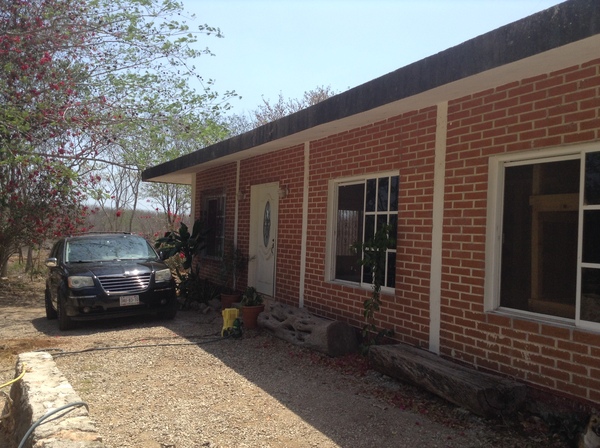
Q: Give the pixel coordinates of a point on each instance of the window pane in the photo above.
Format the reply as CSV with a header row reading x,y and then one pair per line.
x,y
371,195
213,214
539,249
349,231
591,236
590,295
382,220
393,229
382,194
367,276
372,205
515,286
391,270
212,227
394,194
592,178
369,227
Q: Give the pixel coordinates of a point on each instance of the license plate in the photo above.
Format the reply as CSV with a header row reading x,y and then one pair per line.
x,y
129,300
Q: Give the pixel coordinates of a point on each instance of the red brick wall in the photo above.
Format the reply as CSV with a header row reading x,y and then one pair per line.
x,y
222,179
285,167
406,144
560,108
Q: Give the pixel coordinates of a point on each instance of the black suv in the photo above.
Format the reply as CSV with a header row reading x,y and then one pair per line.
x,y
104,275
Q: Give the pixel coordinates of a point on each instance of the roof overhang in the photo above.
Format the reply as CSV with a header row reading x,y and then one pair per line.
x,y
562,36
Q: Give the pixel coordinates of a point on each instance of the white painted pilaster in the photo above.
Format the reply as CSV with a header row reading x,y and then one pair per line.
x,y
237,204
194,198
304,224
439,177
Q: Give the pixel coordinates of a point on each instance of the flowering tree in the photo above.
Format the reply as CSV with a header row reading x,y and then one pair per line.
x,y
42,122
80,82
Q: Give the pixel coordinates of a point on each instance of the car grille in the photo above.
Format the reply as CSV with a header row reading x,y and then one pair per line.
x,y
121,284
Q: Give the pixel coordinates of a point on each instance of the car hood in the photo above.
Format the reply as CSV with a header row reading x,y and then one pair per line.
x,y
115,268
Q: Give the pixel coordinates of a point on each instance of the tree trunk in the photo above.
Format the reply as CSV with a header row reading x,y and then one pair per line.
x,y
481,393
29,262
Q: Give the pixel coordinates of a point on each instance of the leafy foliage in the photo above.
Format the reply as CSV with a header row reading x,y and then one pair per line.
x,y
88,84
42,122
184,246
270,111
374,254
183,243
232,264
251,297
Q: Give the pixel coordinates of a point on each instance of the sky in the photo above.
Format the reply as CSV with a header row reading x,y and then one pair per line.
x,y
293,46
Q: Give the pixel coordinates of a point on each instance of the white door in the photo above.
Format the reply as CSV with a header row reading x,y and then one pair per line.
x,y
264,202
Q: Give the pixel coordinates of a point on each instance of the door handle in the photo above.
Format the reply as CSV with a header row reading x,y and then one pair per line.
x,y
273,246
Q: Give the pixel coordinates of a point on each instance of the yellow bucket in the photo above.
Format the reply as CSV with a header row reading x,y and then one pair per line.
x,y
229,316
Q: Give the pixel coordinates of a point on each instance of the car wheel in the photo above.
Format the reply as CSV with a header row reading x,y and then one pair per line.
x,y
171,310
51,313
64,321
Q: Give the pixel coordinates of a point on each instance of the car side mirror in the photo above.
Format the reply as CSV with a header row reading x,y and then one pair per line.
x,y
51,262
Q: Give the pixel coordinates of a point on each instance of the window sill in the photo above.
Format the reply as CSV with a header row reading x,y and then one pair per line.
x,y
368,288
535,317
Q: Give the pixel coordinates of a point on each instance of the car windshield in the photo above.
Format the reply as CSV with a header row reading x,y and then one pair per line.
x,y
108,248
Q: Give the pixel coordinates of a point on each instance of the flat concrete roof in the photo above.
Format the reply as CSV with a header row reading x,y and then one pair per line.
x,y
561,36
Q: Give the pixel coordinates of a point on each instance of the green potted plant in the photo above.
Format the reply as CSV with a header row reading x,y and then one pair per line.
x,y
178,249
232,264
252,306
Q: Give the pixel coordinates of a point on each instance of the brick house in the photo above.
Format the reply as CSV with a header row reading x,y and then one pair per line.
x,y
484,158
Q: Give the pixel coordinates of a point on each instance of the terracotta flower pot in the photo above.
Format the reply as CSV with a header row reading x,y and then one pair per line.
x,y
250,315
227,300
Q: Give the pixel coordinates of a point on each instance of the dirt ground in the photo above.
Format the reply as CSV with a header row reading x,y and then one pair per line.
x,y
296,401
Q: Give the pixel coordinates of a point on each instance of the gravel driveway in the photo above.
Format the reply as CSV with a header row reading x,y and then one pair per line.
x,y
159,384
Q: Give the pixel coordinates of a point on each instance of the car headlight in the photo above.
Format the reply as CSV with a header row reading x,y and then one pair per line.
x,y
77,282
164,275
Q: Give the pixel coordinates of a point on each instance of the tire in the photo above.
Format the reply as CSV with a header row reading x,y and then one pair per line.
x,y
51,313
171,310
64,322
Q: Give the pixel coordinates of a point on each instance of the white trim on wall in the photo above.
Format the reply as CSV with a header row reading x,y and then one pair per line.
x,y
305,190
439,176
193,196
237,204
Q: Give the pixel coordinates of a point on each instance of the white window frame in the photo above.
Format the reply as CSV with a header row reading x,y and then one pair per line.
x,y
493,250
332,205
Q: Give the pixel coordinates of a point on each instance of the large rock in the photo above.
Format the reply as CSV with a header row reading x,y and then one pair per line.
x,y
44,389
301,328
483,394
